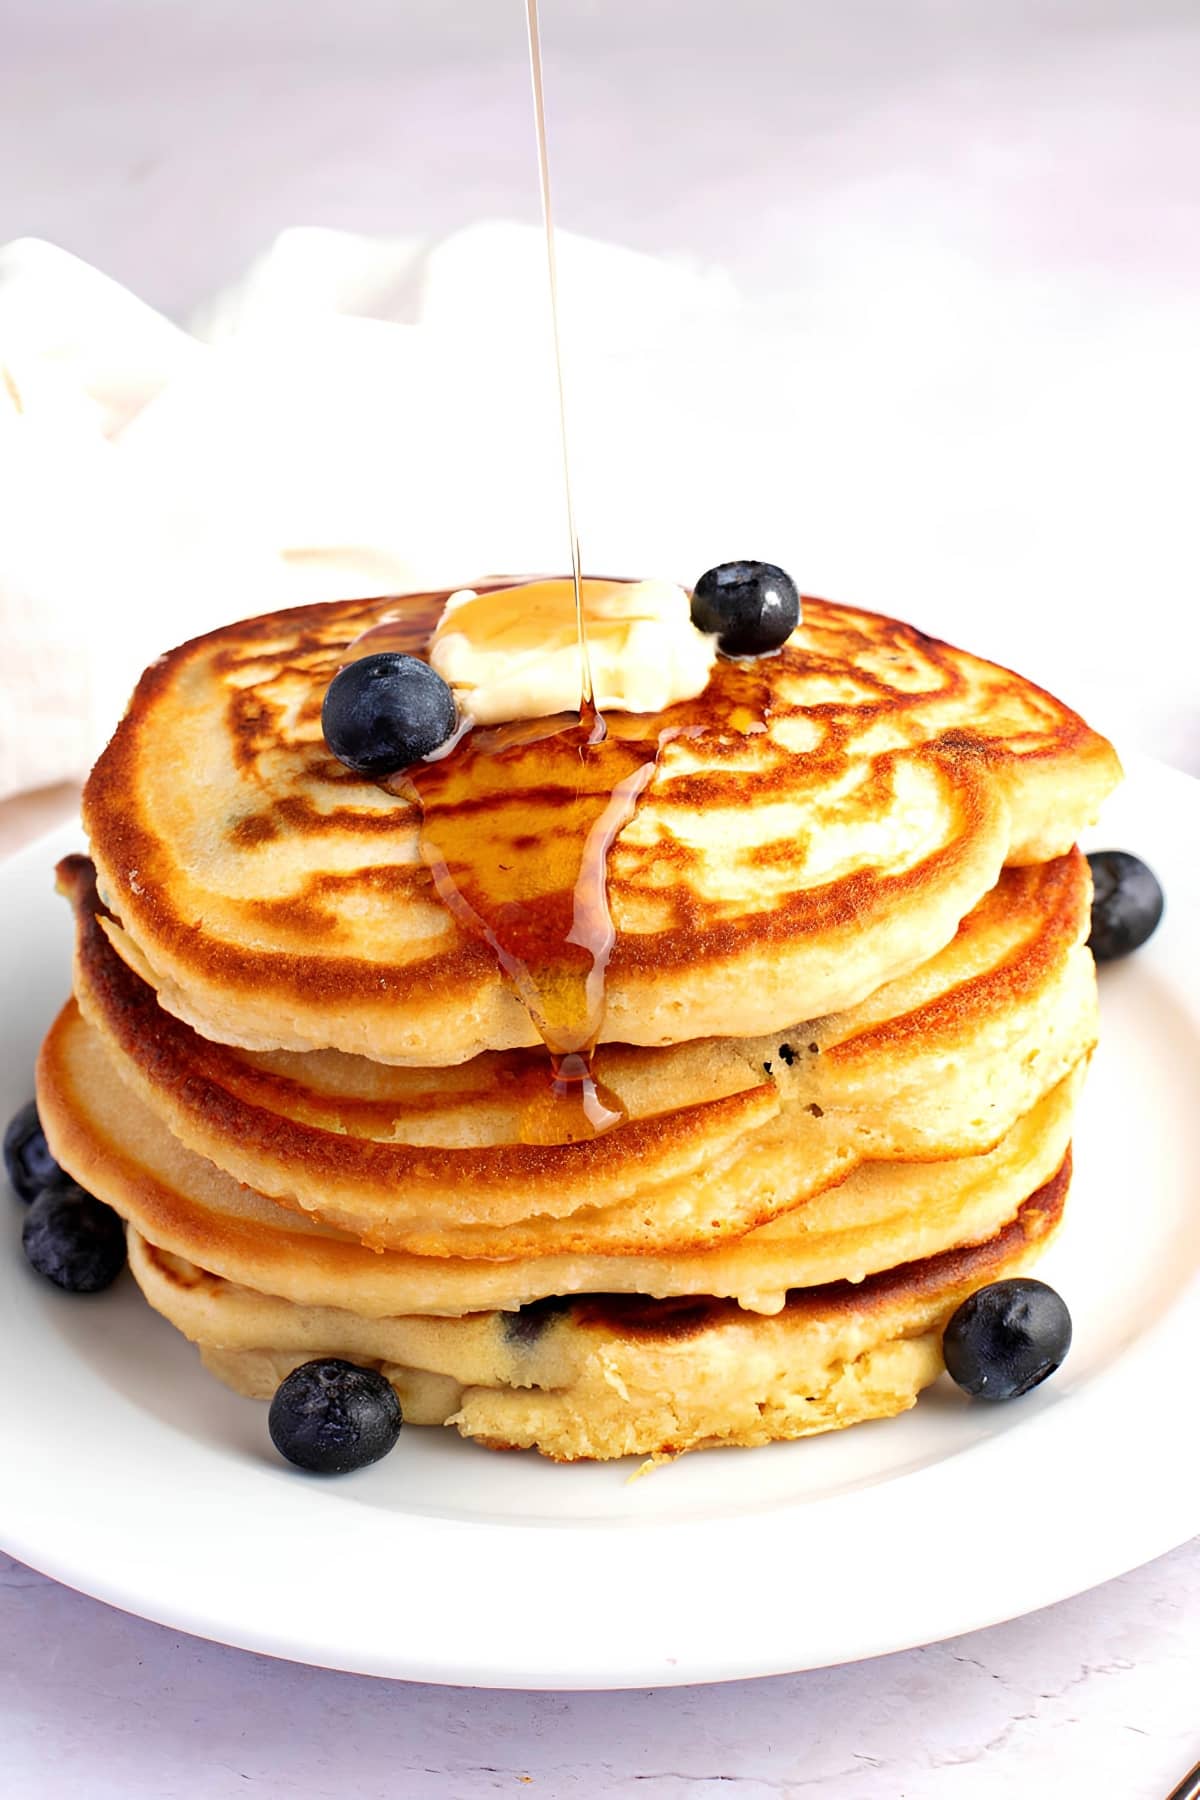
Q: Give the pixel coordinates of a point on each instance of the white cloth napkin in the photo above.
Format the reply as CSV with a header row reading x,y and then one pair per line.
x,y
908,433
354,418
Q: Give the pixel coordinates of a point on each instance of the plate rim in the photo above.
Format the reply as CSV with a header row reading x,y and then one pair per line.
x,y
589,1560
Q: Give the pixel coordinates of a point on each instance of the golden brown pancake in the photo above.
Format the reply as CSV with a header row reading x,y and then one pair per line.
x,y
844,1025
882,1215
722,1135
607,1376
828,817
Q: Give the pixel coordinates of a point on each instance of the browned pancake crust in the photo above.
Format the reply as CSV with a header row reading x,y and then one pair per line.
x,y
241,1102
631,1316
283,1135
117,1149
635,1318
604,1377
295,952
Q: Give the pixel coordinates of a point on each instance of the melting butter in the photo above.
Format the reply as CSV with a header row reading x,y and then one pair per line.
x,y
513,653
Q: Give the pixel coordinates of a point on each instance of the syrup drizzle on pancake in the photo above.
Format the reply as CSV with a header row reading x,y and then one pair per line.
x,y
516,825
518,820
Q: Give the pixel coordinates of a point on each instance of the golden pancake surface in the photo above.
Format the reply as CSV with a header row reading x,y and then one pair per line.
x,y
847,1017
819,825
883,1214
722,1135
611,1376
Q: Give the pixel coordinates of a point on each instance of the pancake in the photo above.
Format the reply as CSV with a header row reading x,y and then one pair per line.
x,y
882,1215
722,1136
820,825
603,1376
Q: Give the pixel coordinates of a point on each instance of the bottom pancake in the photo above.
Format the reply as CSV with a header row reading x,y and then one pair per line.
x,y
610,1375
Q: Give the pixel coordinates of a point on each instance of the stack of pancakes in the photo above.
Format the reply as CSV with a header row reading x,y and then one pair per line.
x,y
849,1009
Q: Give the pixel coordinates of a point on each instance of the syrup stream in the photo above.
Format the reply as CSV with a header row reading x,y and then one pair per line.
x,y
587,706
517,821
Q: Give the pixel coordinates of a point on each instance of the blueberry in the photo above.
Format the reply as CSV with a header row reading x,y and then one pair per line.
x,y
330,1416
752,606
1126,905
27,1155
75,1241
386,711
1006,1338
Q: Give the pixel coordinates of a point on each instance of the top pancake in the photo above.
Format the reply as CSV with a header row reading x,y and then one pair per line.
x,y
847,802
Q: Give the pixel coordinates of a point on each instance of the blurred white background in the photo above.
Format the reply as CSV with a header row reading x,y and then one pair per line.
x,y
167,142
951,368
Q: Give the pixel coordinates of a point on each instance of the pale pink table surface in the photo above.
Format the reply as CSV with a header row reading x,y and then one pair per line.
x,y
1044,137
1095,1699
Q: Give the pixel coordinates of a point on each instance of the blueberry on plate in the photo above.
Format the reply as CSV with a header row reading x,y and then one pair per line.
x,y
1127,903
386,711
1006,1338
330,1416
75,1241
753,607
27,1155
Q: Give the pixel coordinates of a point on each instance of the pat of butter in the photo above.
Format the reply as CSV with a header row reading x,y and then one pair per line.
x,y
514,653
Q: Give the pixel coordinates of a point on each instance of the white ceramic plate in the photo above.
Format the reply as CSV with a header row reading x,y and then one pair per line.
x,y
129,1473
